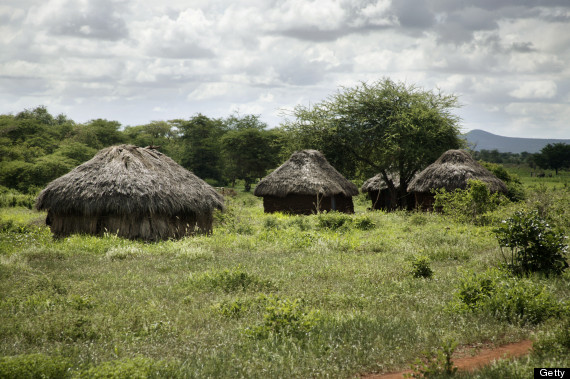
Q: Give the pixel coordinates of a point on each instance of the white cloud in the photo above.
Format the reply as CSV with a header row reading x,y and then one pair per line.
x,y
121,59
539,89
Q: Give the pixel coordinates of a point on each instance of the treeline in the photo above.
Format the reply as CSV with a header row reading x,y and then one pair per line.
x,y
553,156
37,147
494,156
385,127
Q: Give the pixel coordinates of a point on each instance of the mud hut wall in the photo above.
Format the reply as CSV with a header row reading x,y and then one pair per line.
x,y
306,204
380,199
150,228
424,200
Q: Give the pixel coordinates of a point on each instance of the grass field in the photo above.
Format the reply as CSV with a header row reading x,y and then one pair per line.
x,y
264,296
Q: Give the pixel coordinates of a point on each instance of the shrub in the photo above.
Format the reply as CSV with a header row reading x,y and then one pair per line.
x,y
533,245
474,289
521,301
233,309
285,317
336,220
514,300
34,366
515,189
363,223
420,267
468,205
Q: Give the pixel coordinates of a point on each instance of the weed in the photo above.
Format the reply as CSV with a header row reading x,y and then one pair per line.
x,y
533,244
418,219
469,205
117,253
285,317
421,267
363,223
333,220
232,280
139,367
514,300
435,364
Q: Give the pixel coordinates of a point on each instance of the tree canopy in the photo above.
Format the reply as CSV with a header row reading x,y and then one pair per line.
x,y
553,156
383,127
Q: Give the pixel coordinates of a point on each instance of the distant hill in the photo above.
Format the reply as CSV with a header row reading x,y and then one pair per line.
x,y
481,140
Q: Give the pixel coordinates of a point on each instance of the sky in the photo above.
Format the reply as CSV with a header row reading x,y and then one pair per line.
x,y
135,61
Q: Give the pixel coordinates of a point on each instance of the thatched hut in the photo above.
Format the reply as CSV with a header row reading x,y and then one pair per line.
x,y
380,195
306,184
135,192
452,170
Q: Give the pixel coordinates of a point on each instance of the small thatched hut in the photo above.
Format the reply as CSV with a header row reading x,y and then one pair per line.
x,y
306,184
452,170
380,194
135,192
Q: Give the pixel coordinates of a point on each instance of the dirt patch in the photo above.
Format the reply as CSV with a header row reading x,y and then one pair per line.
x,y
469,358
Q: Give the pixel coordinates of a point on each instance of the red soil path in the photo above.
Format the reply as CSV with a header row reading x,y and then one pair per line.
x,y
482,357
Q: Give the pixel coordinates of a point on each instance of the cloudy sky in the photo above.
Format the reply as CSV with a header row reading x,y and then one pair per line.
x,y
135,61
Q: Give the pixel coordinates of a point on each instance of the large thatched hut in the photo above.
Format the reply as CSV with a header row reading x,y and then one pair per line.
x,y
135,192
380,195
306,184
452,170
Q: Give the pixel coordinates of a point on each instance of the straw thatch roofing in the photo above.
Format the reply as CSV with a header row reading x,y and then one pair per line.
x,y
377,183
129,180
307,172
452,170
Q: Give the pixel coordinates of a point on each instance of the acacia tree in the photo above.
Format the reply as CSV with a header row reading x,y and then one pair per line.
x,y
554,156
383,127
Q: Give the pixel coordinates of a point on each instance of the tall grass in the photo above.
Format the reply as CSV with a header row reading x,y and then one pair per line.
x,y
266,295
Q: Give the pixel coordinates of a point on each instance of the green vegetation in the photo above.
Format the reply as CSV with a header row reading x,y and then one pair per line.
x,y
533,245
275,295
383,127
554,156
470,205
36,147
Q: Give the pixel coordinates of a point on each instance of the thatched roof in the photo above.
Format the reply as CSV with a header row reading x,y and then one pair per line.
x,y
452,170
377,183
129,180
307,172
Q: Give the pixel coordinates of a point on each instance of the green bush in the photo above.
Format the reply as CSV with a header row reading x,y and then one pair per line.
x,y
31,366
421,267
469,205
514,300
515,189
532,245
285,317
475,289
337,220
233,309
522,302
363,223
